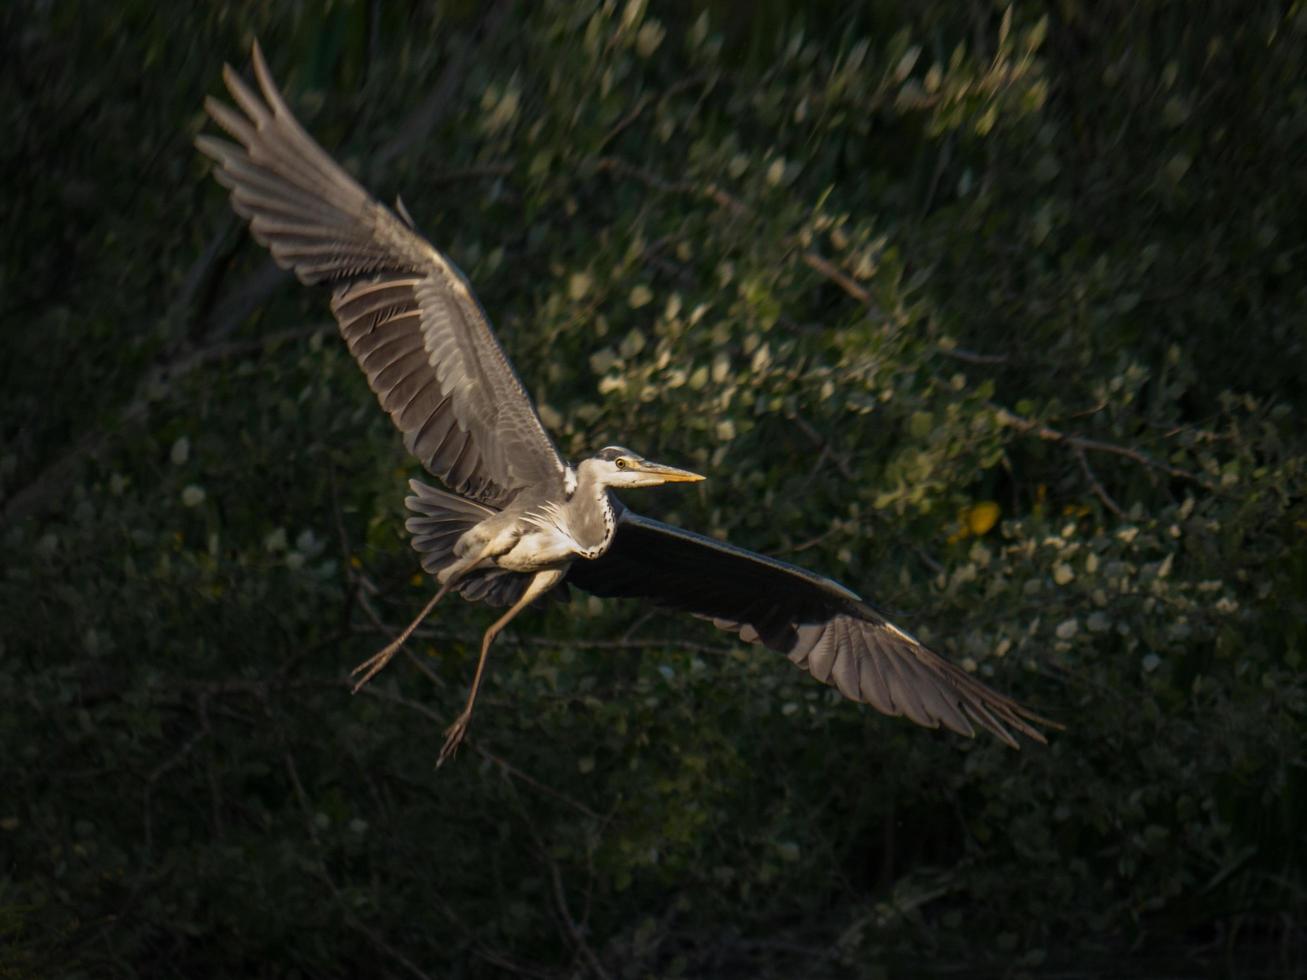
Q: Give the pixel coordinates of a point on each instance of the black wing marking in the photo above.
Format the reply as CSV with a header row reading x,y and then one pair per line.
x,y
406,312
815,621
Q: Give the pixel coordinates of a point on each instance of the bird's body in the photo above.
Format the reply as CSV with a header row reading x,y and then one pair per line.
x,y
515,521
552,532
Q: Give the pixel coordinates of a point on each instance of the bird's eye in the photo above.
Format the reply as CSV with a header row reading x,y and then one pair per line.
x,y
621,463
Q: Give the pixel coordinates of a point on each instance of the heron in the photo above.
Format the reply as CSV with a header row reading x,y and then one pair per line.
x,y
514,521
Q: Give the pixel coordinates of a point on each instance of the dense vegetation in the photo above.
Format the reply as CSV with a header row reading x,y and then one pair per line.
x,y
995,312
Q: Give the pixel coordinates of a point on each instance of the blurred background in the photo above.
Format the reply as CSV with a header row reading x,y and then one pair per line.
x,y
992,311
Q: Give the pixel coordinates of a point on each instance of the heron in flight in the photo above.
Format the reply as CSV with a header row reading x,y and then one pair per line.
x,y
515,521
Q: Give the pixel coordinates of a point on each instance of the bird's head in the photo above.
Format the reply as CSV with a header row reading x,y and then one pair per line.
x,y
618,467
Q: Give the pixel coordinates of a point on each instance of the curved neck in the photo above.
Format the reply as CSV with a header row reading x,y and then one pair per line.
x,y
590,516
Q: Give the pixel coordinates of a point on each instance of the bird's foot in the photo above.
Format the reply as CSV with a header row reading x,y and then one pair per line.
x,y
453,737
370,667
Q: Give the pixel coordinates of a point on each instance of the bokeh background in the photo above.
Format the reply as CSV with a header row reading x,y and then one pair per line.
x,y
994,311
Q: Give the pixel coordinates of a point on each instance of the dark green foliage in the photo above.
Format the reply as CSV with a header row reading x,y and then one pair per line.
x,y
883,274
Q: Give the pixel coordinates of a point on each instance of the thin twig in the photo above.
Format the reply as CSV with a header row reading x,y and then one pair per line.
x,y
941,164
817,439
167,765
417,661
365,603
469,173
531,781
143,877
1095,445
384,695
565,914
815,469
479,948
627,643
504,765
724,199
646,100
1094,484
427,116
346,551
246,297
573,931
825,267
620,167
215,791
928,561
320,870
810,543
971,356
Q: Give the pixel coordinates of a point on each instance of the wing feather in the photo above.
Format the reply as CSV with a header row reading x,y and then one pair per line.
x,y
872,686
844,670
818,623
406,312
822,658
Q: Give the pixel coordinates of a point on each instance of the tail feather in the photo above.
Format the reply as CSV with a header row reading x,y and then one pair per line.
x,y
439,519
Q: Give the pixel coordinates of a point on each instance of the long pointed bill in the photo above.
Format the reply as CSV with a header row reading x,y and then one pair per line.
x,y
669,474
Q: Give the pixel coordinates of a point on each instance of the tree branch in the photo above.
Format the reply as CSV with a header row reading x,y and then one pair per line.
x,y
1083,444
1094,485
972,357
574,933
45,490
648,99
422,120
724,199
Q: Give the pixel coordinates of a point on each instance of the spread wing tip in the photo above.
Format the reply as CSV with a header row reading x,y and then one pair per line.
x,y
990,711
871,661
413,316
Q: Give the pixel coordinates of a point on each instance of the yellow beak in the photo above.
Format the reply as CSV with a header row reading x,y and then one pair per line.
x,y
669,474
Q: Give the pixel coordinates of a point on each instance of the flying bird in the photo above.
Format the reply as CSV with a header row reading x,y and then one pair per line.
x,y
515,521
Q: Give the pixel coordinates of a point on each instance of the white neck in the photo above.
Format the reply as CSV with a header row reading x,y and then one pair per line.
x,y
591,521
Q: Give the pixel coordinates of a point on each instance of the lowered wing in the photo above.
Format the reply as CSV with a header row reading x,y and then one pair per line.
x,y
816,622
406,312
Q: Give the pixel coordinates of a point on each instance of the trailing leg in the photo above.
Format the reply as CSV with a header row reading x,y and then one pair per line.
x,y
542,583
449,577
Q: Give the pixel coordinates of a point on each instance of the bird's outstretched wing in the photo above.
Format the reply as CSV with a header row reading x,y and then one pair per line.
x,y
816,622
406,311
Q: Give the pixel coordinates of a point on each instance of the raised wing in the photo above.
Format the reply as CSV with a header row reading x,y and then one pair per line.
x,y
816,622
406,312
